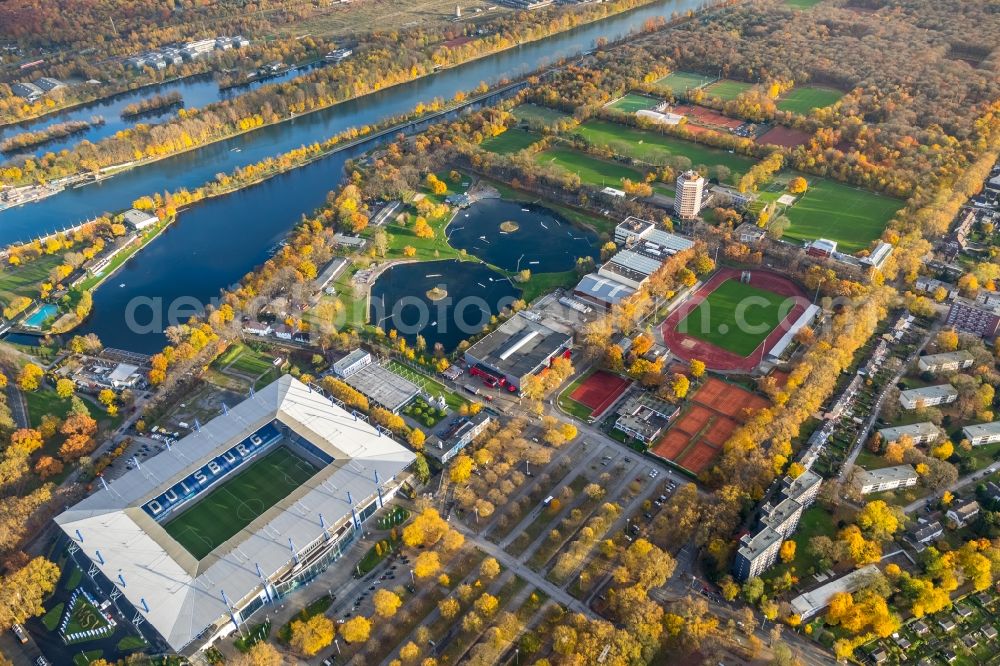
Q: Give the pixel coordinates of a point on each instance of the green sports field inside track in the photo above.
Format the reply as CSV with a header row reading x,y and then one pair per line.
x,y
715,320
235,504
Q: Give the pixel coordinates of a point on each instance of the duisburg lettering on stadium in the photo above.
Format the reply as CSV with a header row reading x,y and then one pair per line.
x,y
210,472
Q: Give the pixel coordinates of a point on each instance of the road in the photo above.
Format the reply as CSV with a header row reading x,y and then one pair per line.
x,y
877,407
17,407
966,480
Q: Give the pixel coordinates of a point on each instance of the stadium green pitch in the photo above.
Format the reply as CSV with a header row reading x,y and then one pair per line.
x,y
716,319
235,504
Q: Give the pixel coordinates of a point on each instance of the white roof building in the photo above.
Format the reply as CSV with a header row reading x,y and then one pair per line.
x,y
928,396
139,219
808,604
190,601
921,433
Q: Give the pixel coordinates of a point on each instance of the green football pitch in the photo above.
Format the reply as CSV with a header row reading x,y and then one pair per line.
x,y
683,81
238,501
803,100
633,102
729,319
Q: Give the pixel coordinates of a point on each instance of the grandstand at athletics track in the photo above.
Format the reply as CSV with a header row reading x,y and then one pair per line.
x,y
716,358
245,509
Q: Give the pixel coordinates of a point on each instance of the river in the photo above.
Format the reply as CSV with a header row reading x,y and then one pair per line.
x,y
215,243
196,91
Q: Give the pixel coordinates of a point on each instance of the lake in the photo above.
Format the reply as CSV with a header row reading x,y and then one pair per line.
x,y
544,241
475,292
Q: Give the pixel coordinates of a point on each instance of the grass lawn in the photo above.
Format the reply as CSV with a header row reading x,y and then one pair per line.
x,y
715,318
45,401
633,102
538,115
805,99
868,460
511,141
26,280
84,658
571,406
84,616
654,148
132,643
395,516
842,213
419,410
74,578
981,456
682,81
376,554
428,249
727,89
51,619
427,383
592,171
238,501
239,358
815,522
543,283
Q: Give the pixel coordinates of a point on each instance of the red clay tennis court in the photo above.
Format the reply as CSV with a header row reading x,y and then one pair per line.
x,y
728,399
671,446
785,136
699,458
695,440
599,391
700,114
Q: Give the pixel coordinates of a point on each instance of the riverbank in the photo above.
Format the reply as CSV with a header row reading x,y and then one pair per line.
x,y
247,178
406,80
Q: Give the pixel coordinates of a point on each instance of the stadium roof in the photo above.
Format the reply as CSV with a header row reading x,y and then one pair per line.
x,y
184,595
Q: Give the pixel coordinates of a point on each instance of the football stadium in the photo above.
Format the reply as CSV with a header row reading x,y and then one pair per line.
x,y
246,508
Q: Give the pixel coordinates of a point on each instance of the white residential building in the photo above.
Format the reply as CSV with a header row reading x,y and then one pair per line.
x,y
982,433
946,362
887,478
921,433
928,396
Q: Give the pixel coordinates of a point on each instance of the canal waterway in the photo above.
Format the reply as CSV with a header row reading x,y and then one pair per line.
x,y
196,91
215,243
196,167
